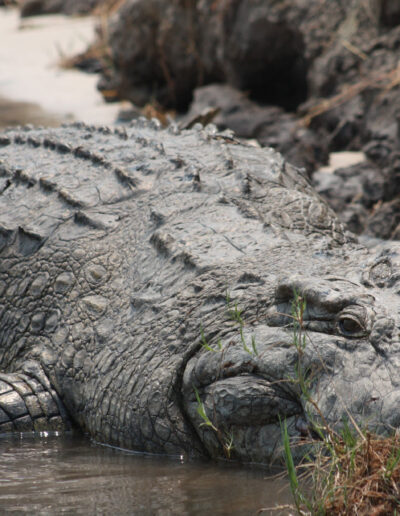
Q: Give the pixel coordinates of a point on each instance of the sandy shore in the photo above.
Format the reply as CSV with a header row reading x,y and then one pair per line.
x,y
30,50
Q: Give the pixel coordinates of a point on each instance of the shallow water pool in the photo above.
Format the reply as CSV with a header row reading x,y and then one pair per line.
x,y
71,475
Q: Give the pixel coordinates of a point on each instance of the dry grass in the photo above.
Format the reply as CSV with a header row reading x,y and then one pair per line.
x,y
365,479
349,476
384,81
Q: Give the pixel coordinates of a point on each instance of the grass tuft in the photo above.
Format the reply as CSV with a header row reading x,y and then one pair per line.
x,y
365,478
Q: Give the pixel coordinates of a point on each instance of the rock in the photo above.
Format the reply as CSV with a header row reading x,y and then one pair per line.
x,y
389,12
366,196
340,57
385,221
344,53
351,192
363,183
356,82
270,125
164,50
155,51
264,53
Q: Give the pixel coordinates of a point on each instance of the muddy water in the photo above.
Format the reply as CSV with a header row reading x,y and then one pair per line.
x,y
70,475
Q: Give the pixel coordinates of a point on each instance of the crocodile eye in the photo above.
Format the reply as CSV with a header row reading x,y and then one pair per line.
x,y
350,326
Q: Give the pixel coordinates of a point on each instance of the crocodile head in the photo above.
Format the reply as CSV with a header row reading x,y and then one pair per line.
x,y
338,364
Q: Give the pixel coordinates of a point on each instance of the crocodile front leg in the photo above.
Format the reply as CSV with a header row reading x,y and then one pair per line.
x,y
29,403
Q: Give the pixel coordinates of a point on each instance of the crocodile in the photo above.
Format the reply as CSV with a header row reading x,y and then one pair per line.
x,y
148,278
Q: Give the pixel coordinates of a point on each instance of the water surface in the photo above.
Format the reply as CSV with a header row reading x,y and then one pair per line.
x,y
72,475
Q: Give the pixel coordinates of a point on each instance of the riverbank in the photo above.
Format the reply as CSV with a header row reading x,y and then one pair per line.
x,y
33,87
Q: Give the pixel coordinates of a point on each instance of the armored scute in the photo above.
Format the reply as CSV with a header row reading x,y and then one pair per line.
x,y
166,291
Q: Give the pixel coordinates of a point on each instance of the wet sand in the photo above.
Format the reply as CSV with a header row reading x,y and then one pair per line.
x,y
14,113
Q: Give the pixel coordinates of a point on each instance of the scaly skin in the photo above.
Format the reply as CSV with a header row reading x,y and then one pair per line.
x,y
118,247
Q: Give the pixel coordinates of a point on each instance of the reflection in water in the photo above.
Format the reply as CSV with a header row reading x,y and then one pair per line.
x,y
71,475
